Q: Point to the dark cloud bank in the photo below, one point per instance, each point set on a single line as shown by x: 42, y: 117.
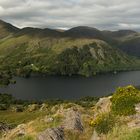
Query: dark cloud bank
x: 102, y: 14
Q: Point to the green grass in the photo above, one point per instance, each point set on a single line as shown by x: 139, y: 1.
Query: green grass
x: 16, y: 118
x: 124, y: 133
x: 25, y: 138
x: 134, y: 135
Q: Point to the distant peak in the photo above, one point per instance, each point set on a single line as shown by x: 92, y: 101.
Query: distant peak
x: 83, y: 28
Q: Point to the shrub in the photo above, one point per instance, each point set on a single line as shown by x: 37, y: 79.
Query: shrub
x: 4, y: 106
x: 87, y: 101
x: 104, y: 123
x: 124, y: 100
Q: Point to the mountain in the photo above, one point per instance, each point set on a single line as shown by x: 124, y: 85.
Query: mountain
x: 130, y: 44
x: 83, y: 32
x: 118, y: 34
x: 38, y: 32
x: 80, y: 50
x: 7, y: 29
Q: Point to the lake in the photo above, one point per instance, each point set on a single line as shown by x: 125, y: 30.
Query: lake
x: 62, y: 87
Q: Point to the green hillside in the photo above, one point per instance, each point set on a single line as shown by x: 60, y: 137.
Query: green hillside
x: 33, y: 50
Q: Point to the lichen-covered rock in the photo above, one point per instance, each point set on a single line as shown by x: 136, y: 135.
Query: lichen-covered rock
x: 73, y: 120
x: 51, y: 134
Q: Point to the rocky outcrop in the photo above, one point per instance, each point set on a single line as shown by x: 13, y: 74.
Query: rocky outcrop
x: 72, y: 120
x: 102, y: 106
x: 51, y: 134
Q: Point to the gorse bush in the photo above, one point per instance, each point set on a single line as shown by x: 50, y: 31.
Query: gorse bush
x: 124, y: 100
x: 104, y: 123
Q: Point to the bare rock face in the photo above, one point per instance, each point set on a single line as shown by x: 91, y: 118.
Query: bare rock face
x: 73, y: 120
x: 51, y: 134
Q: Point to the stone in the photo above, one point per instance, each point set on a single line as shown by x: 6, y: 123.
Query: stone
x: 72, y: 120
x: 51, y: 134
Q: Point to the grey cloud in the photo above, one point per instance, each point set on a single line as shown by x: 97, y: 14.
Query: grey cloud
x: 102, y: 14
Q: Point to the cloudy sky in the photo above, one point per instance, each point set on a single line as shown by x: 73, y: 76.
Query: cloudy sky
x: 102, y: 14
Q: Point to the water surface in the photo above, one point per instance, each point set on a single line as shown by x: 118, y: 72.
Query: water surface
x: 52, y: 87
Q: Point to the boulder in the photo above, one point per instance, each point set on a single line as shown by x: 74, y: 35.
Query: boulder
x: 72, y: 120
x: 51, y: 134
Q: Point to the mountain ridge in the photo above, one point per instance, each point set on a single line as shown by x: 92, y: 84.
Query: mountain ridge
x: 119, y: 39
x: 81, y: 50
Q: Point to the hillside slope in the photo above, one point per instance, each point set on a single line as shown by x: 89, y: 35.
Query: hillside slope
x: 131, y: 44
x: 7, y: 29
x: 115, y: 117
x: 48, y: 51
